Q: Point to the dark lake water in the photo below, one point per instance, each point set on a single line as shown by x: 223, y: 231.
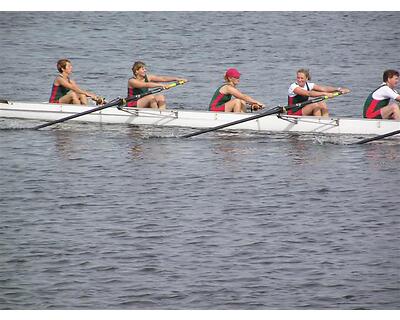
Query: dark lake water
x: 121, y: 217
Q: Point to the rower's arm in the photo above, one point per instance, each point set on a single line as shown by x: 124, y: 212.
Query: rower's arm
x: 141, y: 84
x: 74, y: 87
x: 311, y: 93
x: 237, y: 94
x: 330, y: 89
x: 155, y: 78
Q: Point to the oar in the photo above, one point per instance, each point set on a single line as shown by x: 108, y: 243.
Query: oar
x: 112, y: 103
x: 277, y: 109
x: 115, y: 102
x: 382, y: 136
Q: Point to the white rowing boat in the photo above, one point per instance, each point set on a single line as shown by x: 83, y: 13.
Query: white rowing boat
x: 198, y: 119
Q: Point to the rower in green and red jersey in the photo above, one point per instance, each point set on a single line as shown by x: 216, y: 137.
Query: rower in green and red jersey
x: 57, y: 92
x: 222, y: 99
x: 141, y: 82
x: 219, y: 99
x: 134, y: 91
x: 377, y: 105
x: 65, y: 90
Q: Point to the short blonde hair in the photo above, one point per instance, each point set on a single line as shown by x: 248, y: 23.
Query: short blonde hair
x: 306, y: 72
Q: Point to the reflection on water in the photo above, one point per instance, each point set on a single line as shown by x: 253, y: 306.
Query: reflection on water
x: 137, y: 151
x: 232, y: 149
x: 64, y: 143
x: 382, y: 155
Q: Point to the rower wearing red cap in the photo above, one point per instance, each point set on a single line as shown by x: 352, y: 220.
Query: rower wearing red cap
x: 222, y: 99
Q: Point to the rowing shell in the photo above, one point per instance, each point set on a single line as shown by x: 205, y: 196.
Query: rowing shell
x: 198, y: 119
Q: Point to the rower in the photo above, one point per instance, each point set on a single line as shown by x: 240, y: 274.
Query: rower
x: 65, y: 90
x: 377, y: 105
x: 142, y: 81
x: 301, y: 90
x: 222, y: 99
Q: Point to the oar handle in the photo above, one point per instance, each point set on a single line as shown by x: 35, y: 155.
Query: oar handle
x: 99, y: 100
x: 174, y: 84
x: 315, y: 100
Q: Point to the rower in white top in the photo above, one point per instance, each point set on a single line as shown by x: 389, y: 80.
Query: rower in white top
x: 301, y: 90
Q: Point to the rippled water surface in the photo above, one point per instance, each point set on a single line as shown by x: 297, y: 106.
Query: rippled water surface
x: 121, y: 217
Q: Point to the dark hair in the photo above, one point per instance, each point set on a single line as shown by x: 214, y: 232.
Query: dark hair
x: 61, y: 64
x: 389, y: 74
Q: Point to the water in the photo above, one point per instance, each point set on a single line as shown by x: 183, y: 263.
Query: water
x: 120, y: 217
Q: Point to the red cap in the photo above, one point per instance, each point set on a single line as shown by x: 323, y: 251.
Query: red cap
x: 232, y: 73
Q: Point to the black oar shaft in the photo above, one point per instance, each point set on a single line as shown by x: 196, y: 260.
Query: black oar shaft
x: 269, y: 112
x: 76, y: 115
x: 382, y: 136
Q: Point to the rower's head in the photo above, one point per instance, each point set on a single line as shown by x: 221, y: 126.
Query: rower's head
x: 137, y: 66
x: 63, y: 64
x: 302, y: 76
x: 232, y: 75
x: 391, y: 77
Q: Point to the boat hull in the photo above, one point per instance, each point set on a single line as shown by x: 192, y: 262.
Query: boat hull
x: 198, y: 119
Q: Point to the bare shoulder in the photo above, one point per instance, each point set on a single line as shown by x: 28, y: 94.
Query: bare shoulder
x: 131, y: 82
x: 58, y: 80
x: 299, y: 90
x: 227, y: 88
x: 135, y: 83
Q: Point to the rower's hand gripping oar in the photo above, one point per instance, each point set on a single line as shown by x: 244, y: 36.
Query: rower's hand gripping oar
x: 275, y: 110
x: 113, y: 103
x: 99, y: 100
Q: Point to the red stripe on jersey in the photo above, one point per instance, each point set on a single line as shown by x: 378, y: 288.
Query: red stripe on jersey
x: 371, y: 112
x: 53, y: 94
x: 214, y: 105
x: 131, y: 103
x: 297, y: 113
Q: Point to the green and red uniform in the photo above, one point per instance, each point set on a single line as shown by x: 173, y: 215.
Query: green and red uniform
x: 57, y: 92
x: 378, y: 99
x: 219, y: 99
x: 135, y: 91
